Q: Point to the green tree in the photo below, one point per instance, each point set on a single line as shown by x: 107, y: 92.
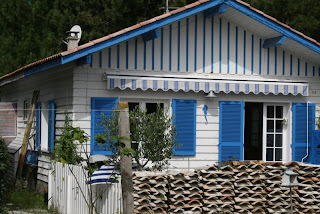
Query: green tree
x: 4, y: 164
x: 303, y: 15
x: 33, y: 29
x: 153, y: 136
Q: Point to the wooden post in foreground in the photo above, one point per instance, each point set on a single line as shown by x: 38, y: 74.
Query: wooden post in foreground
x: 126, y: 161
x: 27, y: 134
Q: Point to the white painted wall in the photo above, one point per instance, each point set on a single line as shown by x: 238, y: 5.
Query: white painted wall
x: 88, y: 82
x: 53, y: 84
x: 246, y: 65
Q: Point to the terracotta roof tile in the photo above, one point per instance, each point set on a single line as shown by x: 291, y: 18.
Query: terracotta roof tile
x: 69, y: 51
x: 192, y: 5
x: 163, y: 16
x: 85, y: 45
x: 119, y: 33
x: 178, y: 10
x: 32, y: 64
x: 132, y: 27
x: 147, y: 22
x: 102, y: 39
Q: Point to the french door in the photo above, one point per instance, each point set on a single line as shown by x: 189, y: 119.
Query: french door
x: 274, y: 128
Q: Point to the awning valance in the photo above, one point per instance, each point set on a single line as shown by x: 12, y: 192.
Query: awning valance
x: 196, y: 85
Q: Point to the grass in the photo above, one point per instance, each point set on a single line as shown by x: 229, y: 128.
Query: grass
x: 28, y: 201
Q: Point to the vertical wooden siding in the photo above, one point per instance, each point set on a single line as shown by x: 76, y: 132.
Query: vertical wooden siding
x: 205, y: 45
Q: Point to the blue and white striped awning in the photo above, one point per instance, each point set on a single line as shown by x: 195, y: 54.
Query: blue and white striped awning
x: 104, y: 175
x: 196, y: 85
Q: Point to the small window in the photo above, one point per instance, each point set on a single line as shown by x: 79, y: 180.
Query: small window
x: 25, y: 109
x: 133, y: 106
x: 152, y: 107
x: 8, y: 119
x: 149, y: 105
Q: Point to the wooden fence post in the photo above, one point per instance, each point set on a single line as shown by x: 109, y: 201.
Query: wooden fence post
x: 126, y: 161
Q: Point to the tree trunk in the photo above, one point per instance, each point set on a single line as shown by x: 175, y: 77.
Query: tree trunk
x: 126, y: 161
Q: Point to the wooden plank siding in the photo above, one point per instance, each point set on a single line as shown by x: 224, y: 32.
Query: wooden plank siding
x: 55, y: 85
x: 218, y: 46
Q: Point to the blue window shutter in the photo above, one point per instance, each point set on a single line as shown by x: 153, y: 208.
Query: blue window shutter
x: 38, y: 125
x: 99, y: 106
x: 300, y: 135
x: 184, y: 112
x: 231, y: 131
x: 51, y: 124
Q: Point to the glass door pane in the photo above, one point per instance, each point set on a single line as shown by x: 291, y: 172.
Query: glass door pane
x: 274, y: 132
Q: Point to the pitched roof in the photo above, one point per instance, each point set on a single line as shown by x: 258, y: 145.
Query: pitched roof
x: 159, y: 21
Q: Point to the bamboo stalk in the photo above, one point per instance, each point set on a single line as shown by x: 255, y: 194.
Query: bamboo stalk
x: 27, y: 134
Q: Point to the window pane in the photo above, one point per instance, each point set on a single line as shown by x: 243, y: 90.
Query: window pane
x: 279, y: 111
x: 278, y: 140
x: 270, y: 111
x: 152, y: 107
x: 279, y: 126
x: 269, y: 140
x: 132, y: 106
x: 270, y: 126
x: 269, y: 155
x: 278, y: 155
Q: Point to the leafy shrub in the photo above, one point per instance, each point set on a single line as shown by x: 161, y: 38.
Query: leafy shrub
x: 153, y: 136
x: 4, y: 164
x: 65, y: 150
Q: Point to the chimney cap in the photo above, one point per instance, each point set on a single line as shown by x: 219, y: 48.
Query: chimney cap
x: 74, y: 37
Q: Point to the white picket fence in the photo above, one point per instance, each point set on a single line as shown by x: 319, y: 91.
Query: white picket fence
x: 66, y: 193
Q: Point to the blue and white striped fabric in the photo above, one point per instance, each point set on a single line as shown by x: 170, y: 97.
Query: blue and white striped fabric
x: 104, y: 175
x: 196, y: 85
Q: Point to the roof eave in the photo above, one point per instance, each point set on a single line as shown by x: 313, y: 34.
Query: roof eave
x: 275, y: 25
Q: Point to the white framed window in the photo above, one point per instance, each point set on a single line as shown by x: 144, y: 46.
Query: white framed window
x: 150, y: 105
x: 44, y: 126
x: 275, y: 122
x: 26, y: 106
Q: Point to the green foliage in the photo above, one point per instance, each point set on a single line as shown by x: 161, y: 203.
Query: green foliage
x: 303, y: 15
x: 4, y: 164
x: 33, y: 29
x: 65, y: 150
x: 154, y: 133
x: 26, y: 200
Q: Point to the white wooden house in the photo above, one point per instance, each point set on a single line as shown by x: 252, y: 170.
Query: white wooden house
x: 265, y: 76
